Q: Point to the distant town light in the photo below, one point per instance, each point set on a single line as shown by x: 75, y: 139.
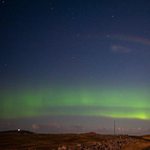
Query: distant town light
x: 18, y: 130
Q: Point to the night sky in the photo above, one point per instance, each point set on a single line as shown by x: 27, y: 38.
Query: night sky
x: 75, y: 66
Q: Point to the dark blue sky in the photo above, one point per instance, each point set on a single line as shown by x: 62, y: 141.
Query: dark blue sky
x: 74, y: 55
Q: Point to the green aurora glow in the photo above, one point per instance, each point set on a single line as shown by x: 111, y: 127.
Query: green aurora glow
x: 108, y: 102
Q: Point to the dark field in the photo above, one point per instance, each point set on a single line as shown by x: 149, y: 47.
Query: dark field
x: 53, y: 141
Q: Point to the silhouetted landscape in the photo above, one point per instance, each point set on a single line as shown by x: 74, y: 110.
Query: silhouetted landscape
x: 18, y: 132
x: 23, y: 140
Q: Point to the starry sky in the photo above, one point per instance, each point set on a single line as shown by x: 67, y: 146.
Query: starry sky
x: 75, y: 66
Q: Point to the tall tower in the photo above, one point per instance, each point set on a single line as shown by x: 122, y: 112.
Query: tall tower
x: 114, y: 128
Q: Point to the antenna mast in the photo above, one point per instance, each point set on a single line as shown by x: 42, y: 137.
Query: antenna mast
x: 114, y: 128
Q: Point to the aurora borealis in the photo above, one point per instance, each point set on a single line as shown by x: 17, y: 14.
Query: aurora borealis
x: 109, y: 102
x: 75, y: 66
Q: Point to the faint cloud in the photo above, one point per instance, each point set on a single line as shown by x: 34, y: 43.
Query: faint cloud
x: 135, y: 131
x: 45, y: 126
x: 76, y: 128
x: 35, y: 127
x: 104, y: 130
x: 119, y: 130
x: 57, y: 128
x: 119, y: 48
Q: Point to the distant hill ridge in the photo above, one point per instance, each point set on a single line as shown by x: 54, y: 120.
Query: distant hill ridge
x: 18, y: 131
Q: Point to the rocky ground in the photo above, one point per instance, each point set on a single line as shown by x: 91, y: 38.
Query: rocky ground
x: 84, y: 141
x: 110, y: 144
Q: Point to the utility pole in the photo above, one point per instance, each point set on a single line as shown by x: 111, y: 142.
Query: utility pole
x: 114, y: 128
